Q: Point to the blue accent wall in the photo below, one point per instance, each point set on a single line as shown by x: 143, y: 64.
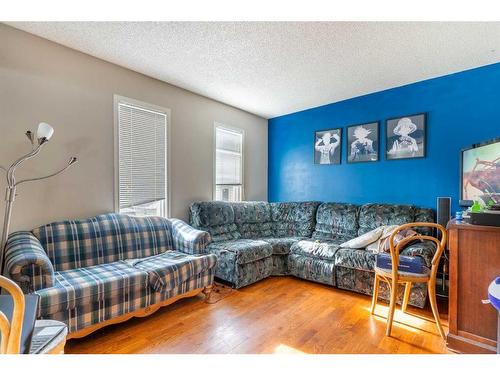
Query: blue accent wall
x: 462, y: 109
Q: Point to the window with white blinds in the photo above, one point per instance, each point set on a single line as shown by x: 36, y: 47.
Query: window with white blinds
x: 228, y: 164
x: 142, y: 159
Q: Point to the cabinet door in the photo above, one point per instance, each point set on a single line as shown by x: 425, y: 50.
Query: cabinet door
x: 474, y: 263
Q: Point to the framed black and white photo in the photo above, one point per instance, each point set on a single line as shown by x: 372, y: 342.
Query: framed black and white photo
x: 406, y: 137
x: 327, y: 146
x: 362, y: 142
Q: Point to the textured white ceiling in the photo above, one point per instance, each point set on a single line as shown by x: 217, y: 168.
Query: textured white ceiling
x: 274, y: 68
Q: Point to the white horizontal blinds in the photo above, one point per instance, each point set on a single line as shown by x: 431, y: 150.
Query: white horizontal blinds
x: 228, y: 164
x: 142, y: 155
x: 229, y: 157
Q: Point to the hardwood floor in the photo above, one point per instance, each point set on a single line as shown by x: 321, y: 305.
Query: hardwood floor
x: 277, y: 315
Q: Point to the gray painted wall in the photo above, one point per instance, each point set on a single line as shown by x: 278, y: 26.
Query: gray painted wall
x: 43, y: 81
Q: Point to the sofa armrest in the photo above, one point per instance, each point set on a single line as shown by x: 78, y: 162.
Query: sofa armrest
x: 27, y: 263
x: 187, y: 239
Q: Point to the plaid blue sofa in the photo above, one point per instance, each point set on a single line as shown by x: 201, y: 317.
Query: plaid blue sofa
x: 255, y: 240
x: 90, y: 271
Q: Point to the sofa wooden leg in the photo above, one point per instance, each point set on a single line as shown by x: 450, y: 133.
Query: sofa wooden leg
x: 207, y: 291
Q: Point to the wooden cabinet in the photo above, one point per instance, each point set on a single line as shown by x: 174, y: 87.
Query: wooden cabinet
x: 474, y: 264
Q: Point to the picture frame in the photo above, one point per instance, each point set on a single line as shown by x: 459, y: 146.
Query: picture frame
x: 406, y: 137
x: 363, y: 142
x: 327, y: 149
x: 479, y: 159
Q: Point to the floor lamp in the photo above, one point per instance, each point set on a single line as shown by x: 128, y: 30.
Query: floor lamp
x: 44, y: 133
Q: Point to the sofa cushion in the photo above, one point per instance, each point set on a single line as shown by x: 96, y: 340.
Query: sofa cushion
x: 216, y: 218
x: 373, y: 215
x: 103, y: 239
x: 424, y: 249
x: 253, y: 219
x: 336, y: 220
x: 242, y: 250
x: 359, y: 259
x: 314, y: 269
x: 281, y: 245
x: 315, y: 249
x: 293, y: 219
x: 172, y: 268
x: 425, y: 215
x: 82, y: 286
x: 364, y: 260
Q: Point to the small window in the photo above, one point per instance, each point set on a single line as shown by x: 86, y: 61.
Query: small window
x: 141, y: 158
x: 228, y: 164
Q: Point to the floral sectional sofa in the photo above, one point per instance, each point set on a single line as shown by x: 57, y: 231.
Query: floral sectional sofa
x: 255, y: 240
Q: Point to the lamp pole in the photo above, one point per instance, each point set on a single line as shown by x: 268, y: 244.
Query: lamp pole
x: 9, y: 199
x: 44, y: 133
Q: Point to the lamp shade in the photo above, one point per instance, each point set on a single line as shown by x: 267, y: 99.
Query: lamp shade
x: 44, y: 131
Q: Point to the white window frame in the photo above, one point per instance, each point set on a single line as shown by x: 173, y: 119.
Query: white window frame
x: 118, y: 99
x: 218, y: 125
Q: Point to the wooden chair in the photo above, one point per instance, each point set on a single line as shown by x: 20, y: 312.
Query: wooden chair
x: 13, y: 341
x: 11, y: 331
x: 394, y: 277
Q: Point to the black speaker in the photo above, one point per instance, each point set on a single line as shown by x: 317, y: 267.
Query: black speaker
x: 443, y: 215
x: 443, y: 212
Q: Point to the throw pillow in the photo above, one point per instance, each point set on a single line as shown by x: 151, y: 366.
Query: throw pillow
x: 385, y: 243
x: 365, y: 239
x: 388, y: 229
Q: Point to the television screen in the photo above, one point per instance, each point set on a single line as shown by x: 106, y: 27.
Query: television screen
x: 481, y: 173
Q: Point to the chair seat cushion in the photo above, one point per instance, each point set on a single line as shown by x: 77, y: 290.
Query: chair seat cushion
x: 81, y: 286
x: 408, y: 266
x: 243, y: 250
x: 281, y: 245
x: 315, y: 249
x: 172, y: 268
x: 388, y: 273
